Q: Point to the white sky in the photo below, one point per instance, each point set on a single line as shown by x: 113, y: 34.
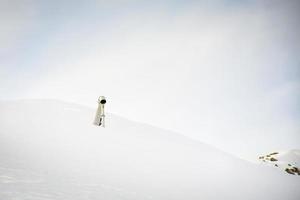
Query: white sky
x: 224, y: 72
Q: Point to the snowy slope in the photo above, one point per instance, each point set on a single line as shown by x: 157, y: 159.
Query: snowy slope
x: 51, y: 150
x: 292, y: 157
x: 288, y: 161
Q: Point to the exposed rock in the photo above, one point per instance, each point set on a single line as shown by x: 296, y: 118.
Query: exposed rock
x: 273, y: 159
x: 289, y: 171
x: 284, y: 161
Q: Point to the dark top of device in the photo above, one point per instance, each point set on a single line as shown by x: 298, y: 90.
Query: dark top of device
x: 103, y: 101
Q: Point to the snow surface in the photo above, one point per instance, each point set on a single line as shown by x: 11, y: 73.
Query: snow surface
x: 292, y: 157
x: 51, y: 150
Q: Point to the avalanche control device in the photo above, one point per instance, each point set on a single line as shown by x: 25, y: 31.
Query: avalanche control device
x: 100, y: 116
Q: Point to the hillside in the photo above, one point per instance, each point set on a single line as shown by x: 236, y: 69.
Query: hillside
x: 288, y: 161
x: 51, y: 150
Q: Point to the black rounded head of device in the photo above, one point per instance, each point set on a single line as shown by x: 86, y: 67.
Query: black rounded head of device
x: 103, y: 101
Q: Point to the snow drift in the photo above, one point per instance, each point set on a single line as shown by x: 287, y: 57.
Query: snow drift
x: 51, y: 150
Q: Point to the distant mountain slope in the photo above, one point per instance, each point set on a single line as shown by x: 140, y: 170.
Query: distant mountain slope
x: 288, y: 161
x: 51, y: 150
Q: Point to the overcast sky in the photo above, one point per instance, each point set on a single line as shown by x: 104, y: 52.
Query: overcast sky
x: 224, y: 72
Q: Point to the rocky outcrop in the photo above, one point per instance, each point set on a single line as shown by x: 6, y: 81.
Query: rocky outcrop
x: 287, y: 161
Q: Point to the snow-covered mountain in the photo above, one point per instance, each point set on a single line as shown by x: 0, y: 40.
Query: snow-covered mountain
x: 289, y: 161
x: 51, y: 150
